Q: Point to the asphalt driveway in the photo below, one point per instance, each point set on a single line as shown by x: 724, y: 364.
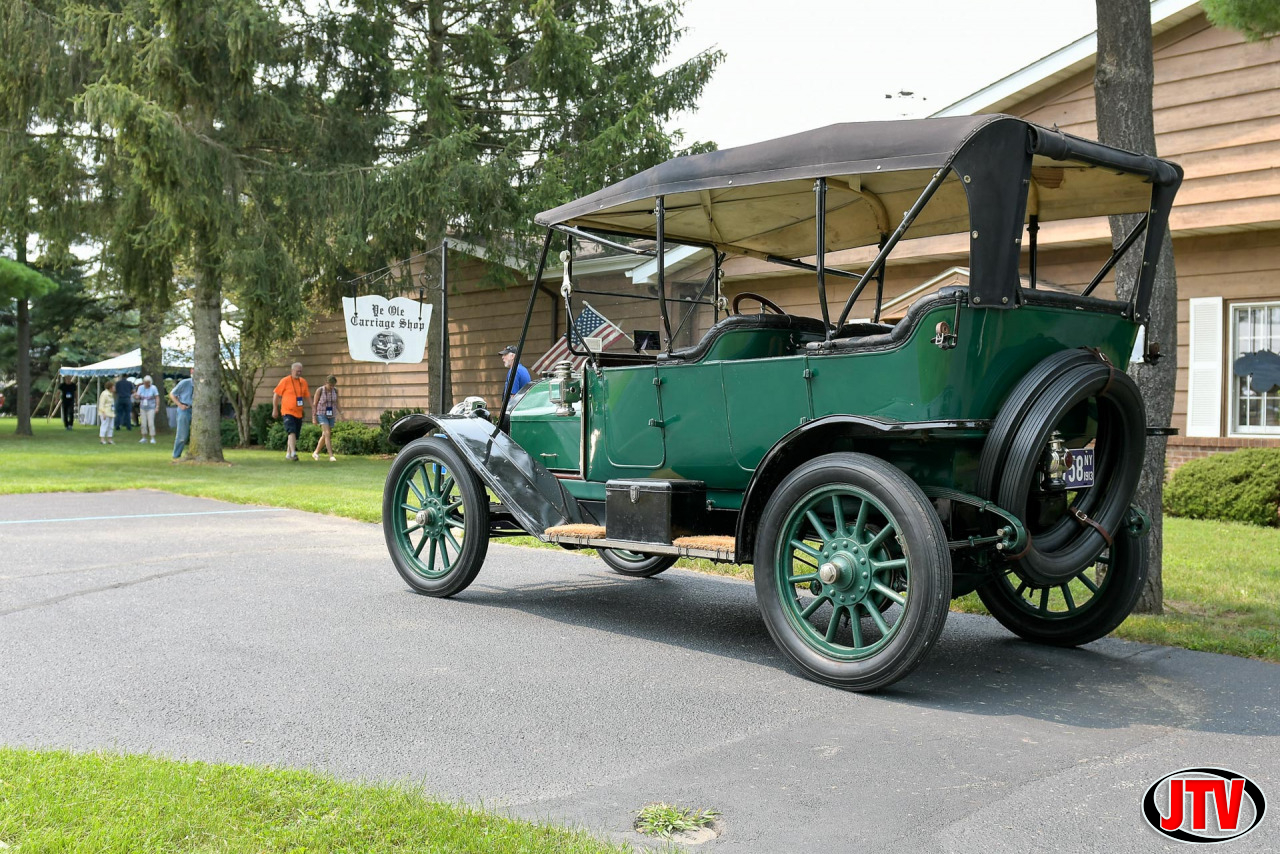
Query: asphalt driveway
x: 555, y: 689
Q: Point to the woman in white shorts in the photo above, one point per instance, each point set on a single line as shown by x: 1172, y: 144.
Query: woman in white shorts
x: 106, y: 416
x: 148, y: 397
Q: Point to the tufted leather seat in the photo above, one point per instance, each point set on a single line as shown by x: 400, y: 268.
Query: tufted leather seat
x: 743, y: 322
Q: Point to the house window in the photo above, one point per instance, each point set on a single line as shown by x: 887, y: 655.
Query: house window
x: 1255, y: 368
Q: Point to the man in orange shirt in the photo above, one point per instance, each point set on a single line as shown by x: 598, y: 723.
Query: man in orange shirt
x: 291, y: 395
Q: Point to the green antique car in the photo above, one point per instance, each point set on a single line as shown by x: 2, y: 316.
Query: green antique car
x: 988, y: 440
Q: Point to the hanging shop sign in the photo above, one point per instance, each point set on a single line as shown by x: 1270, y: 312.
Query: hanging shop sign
x: 386, y: 330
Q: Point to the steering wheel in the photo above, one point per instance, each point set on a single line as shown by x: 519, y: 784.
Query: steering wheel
x: 765, y: 302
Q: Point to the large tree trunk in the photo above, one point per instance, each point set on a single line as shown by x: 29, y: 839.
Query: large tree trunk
x: 437, y: 358
x: 206, y: 316
x: 151, y: 330
x: 22, y: 403
x: 1122, y: 86
x: 440, y: 384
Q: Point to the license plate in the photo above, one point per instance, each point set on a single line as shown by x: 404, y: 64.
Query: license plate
x: 1080, y: 472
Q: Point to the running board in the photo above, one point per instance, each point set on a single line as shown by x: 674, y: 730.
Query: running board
x: 719, y: 549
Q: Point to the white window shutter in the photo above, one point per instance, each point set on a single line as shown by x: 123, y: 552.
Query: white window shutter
x: 1204, y: 369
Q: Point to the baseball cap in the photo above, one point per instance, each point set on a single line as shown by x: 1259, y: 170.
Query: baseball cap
x: 507, y: 349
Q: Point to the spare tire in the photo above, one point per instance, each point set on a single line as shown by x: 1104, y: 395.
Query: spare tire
x: 1019, y: 400
x: 1056, y: 553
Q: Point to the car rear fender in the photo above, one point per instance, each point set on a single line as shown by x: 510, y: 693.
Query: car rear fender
x: 532, y: 494
x: 815, y: 438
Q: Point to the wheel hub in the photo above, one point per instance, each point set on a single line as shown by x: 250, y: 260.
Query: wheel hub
x: 430, y: 516
x: 845, y: 571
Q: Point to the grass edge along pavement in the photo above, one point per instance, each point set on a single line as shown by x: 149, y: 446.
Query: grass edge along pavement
x: 54, y: 800
x: 1222, y: 580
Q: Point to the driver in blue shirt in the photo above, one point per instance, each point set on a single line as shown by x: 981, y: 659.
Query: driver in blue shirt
x: 508, y: 355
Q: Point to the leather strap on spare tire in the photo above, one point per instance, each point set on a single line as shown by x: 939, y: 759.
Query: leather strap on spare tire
x: 1075, y: 541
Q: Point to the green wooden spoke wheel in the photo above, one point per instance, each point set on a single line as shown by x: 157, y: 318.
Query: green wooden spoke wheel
x: 852, y: 571
x: 1085, y: 607
x: 635, y: 564
x: 435, y: 517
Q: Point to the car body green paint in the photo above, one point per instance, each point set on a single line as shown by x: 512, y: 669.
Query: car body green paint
x: 713, y: 420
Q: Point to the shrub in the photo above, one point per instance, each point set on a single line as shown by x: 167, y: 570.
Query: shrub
x: 230, y: 433
x: 277, y: 439
x: 389, y: 417
x: 352, y: 438
x: 1242, y: 486
x: 386, y: 421
x: 309, y: 437
x: 259, y: 423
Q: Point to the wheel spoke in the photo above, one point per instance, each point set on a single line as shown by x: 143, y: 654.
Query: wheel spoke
x: 861, y: 524
x: 817, y: 526
x: 834, y: 626
x: 411, y: 509
x: 1086, y: 581
x: 453, y: 506
x: 885, y: 533
x: 855, y: 626
x: 431, y: 557
x: 426, y: 475
x: 422, y: 499
x: 803, y: 579
x: 448, y: 535
x: 801, y: 560
x: 878, y: 618
x: 426, y: 535
x: 811, y: 607
x: 889, y: 565
x: 444, y: 556
x: 445, y: 487
x: 887, y: 591
x: 1044, y: 600
x: 1066, y: 594
x: 1022, y: 588
x: 455, y: 523
x: 800, y: 545
x: 411, y: 529
x: 837, y: 515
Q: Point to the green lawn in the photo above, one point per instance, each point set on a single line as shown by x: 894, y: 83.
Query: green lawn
x: 1222, y: 581
x: 52, y: 801
x: 55, y: 460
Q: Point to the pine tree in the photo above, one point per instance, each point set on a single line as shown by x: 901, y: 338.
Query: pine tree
x: 42, y: 179
x: 214, y: 113
x: 1256, y: 19
x: 506, y: 108
x: 274, y: 147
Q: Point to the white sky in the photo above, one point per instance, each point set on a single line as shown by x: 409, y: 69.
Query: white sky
x: 793, y: 65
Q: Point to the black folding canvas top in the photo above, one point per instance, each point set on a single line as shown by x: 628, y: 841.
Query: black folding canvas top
x: 758, y: 199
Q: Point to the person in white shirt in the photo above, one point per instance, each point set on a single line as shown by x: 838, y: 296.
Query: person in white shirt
x: 148, y: 397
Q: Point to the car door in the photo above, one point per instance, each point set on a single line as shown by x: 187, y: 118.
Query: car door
x: 626, y: 423
x: 765, y: 399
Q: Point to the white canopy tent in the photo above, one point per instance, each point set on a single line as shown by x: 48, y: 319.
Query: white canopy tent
x: 177, y: 347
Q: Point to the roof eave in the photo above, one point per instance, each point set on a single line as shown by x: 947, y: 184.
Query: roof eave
x: 1060, y: 65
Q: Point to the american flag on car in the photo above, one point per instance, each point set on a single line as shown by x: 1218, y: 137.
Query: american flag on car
x: 589, y: 324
